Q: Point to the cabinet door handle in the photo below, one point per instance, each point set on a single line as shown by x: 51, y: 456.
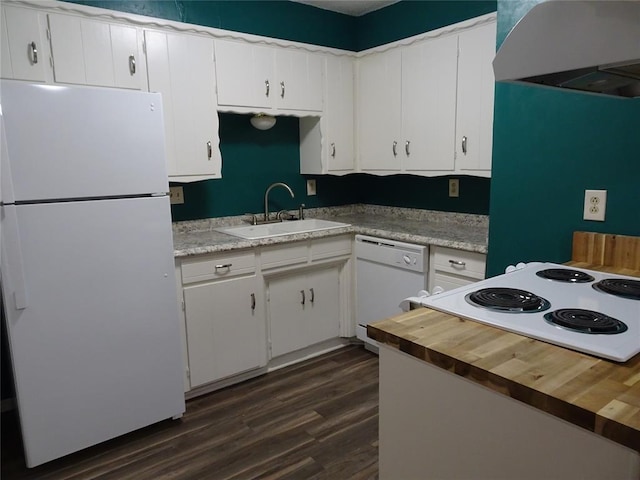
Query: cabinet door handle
x: 333, y: 150
x: 132, y: 65
x: 34, y: 52
x: 282, y: 89
x: 464, y: 145
x: 209, y: 150
x: 313, y: 295
x: 406, y: 147
x: 225, y: 265
x: 253, y: 301
x: 266, y: 85
x: 394, y: 148
x: 302, y: 292
x: 457, y: 263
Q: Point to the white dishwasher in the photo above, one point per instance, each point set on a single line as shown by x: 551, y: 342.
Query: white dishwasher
x: 387, y: 272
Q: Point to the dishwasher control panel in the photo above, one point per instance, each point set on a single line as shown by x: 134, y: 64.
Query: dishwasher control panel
x: 392, y: 253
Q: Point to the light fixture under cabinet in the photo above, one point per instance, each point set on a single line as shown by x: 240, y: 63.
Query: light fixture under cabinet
x: 262, y: 121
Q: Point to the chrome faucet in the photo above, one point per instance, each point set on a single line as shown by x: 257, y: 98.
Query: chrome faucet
x: 266, y: 197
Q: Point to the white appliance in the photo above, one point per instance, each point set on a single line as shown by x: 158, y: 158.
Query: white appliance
x: 582, y: 45
x: 570, y: 307
x: 385, y: 271
x: 87, y: 265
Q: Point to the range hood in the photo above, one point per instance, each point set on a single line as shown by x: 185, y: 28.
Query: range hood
x: 592, y: 46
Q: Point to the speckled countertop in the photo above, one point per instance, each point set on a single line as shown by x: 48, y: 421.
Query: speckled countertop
x: 425, y: 227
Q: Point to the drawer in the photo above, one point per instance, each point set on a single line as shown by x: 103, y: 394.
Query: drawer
x: 331, y: 247
x: 459, y: 262
x: 285, y: 254
x: 217, y: 267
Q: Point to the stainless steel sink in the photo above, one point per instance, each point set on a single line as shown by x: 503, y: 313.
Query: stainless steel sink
x: 252, y: 232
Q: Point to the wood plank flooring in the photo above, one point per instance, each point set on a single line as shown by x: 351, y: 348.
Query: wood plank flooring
x: 314, y: 420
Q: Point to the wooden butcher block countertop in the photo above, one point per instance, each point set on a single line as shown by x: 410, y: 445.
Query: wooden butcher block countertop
x: 596, y: 394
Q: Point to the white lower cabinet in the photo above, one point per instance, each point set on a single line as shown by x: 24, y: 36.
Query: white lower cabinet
x: 450, y: 268
x: 303, y: 308
x: 224, y: 316
x: 236, y: 304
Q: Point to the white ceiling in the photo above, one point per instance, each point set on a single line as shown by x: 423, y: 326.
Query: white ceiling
x: 354, y: 8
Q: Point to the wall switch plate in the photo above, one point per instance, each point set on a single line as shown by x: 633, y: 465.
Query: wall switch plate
x: 176, y: 195
x: 454, y: 187
x: 311, y: 187
x: 595, y: 204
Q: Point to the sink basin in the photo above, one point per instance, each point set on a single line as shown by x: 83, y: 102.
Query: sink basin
x: 253, y: 232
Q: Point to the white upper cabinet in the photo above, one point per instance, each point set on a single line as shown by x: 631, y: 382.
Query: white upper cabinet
x: 327, y: 145
x: 92, y: 52
x: 265, y: 78
x: 24, y: 48
x: 427, y: 108
x: 429, y: 105
x: 181, y: 67
x: 474, y: 130
x: 245, y: 74
x: 379, y: 111
x: 338, y: 114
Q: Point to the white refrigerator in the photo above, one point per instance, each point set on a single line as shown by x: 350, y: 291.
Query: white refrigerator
x: 87, y: 265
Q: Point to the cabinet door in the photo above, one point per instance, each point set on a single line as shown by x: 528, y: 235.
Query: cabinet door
x: 429, y: 72
x: 379, y: 111
x: 181, y: 67
x: 287, y: 301
x: 245, y: 74
x: 474, y: 132
x: 81, y: 50
x: 338, y: 139
x: 128, y: 64
x: 90, y: 52
x: 24, y: 50
x: 323, y: 307
x: 299, y: 78
x: 226, y: 332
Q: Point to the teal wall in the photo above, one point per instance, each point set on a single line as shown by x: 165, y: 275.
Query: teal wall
x: 550, y: 146
x: 407, y: 18
x: 272, y: 18
x: 253, y: 159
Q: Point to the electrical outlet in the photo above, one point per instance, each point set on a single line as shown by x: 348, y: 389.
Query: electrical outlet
x: 595, y: 204
x: 176, y: 195
x: 454, y: 187
x: 311, y: 187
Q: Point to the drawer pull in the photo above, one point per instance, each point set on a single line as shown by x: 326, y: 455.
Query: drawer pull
x: 34, y: 52
x: 253, y: 301
x: 132, y: 65
x: 226, y: 265
x: 457, y: 263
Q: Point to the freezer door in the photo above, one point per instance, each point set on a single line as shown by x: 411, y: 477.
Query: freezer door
x: 96, y: 351
x: 82, y: 142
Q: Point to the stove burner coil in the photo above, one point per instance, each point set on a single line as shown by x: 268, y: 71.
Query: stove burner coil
x: 565, y: 275
x: 620, y: 287
x: 585, y: 321
x: 507, y: 300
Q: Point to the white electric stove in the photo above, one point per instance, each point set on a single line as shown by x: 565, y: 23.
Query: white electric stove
x: 592, y: 312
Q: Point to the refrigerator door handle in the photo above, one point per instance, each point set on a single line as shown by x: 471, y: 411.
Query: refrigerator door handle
x: 14, y: 261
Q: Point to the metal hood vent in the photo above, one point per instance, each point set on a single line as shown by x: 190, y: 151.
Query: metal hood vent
x: 591, y: 46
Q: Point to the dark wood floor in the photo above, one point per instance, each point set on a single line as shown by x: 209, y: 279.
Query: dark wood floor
x: 314, y: 420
